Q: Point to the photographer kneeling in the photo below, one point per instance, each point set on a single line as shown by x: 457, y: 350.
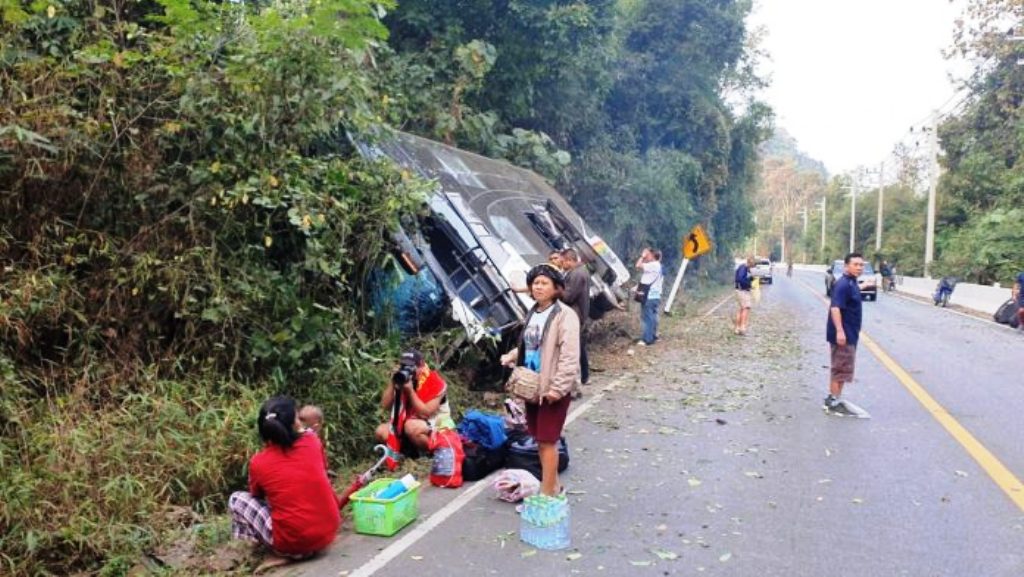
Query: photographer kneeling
x: 423, y: 404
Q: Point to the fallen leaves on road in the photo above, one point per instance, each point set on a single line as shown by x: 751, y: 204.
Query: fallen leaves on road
x: 665, y: 555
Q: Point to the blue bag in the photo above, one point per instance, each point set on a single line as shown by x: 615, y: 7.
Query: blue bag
x: 485, y: 430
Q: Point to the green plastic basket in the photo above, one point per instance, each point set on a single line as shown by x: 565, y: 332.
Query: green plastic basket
x: 384, y: 517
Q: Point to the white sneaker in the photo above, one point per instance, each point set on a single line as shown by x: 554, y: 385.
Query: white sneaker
x: 641, y: 344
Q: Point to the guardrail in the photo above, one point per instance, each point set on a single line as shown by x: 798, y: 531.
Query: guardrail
x: 983, y: 298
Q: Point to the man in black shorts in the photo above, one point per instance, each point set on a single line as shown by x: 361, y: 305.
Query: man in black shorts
x: 843, y: 331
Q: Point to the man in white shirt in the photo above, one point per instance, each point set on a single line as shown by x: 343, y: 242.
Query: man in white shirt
x: 651, y: 281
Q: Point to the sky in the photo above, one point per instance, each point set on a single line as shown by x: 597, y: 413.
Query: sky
x: 849, y: 77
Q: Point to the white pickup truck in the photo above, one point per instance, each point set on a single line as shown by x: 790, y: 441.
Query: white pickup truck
x: 762, y: 270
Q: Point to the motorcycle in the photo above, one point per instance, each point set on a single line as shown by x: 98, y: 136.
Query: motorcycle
x: 944, y: 290
x: 889, y: 283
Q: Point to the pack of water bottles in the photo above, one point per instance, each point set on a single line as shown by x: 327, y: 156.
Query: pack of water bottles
x: 544, y: 522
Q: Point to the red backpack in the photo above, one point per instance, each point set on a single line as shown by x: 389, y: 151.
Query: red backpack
x: 446, y: 470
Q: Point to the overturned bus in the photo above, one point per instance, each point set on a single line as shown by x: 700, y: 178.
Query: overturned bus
x: 488, y: 223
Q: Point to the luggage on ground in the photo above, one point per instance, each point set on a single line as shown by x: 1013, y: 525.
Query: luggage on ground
x: 523, y: 454
x: 483, y: 429
x: 446, y: 469
x: 1007, y: 314
x: 481, y: 461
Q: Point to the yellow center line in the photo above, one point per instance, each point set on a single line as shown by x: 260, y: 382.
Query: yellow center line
x: 992, y: 466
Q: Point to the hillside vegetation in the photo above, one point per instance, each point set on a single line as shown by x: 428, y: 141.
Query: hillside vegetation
x: 186, y: 230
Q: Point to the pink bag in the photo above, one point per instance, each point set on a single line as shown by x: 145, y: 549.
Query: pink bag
x: 514, y: 485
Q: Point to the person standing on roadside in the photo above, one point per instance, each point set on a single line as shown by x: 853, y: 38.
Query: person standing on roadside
x: 651, y: 281
x: 886, y: 270
x: 744, y: 282
x: 555, y: 260
x: 1018, y: 296
x: 549, y: 345
x: 843, y: 331
x: 577, y: 296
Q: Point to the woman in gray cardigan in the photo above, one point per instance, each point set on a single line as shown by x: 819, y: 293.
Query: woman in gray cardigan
x: 550, y: 345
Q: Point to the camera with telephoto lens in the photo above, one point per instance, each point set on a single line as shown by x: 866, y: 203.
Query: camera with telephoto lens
x: 404, y: 374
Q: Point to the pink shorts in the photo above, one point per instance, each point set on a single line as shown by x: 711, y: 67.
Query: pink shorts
x: 545, y: 421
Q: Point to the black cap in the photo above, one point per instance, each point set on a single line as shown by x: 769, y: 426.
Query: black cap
x: 411, y: 357
x: 548, y: 271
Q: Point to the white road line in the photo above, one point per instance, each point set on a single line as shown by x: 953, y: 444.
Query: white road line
x: 392, y: 551
x: 389, y: 553
x: 716, y: 307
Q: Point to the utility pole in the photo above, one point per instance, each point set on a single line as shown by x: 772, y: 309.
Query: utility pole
x: 785, y: 209
x: 803, y: 237
x: 756, y: 231
x: 783, y: 236
x: 853, y: 212
x: 824, y: 201
x: 933, y: 152
x: 881, y: 200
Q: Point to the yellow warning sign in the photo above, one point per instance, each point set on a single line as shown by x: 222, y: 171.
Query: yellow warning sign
x: 696, y: 243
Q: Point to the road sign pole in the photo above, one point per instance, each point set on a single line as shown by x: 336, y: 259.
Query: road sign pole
x: 675, y: 285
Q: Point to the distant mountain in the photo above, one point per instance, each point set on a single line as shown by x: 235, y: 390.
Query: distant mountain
x: 783, y: 145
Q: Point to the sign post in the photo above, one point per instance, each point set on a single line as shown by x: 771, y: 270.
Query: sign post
x: 694, y: 244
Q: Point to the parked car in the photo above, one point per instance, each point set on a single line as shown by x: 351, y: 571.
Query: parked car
x: 868, y: 281
x: 762, y: 270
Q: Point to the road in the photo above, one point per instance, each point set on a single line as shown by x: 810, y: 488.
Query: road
x: 709, y: 454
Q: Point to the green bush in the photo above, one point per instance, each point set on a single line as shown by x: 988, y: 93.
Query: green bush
x: 184, y: 231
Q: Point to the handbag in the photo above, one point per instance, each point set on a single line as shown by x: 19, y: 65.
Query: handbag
x: 525, y: 384
x: 642, y: 289
x: 640, y: 295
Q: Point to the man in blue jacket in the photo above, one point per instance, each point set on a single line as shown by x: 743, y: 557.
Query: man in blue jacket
x: 843, y: 331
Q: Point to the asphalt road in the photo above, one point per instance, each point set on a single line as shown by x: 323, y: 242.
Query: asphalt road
x: 710, y: 455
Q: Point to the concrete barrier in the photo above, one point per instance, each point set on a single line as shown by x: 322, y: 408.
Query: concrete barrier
x: 979, y: 297
x: 984, y: 298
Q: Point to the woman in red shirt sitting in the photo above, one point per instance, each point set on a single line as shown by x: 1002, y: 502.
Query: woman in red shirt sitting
x: 290, y: 506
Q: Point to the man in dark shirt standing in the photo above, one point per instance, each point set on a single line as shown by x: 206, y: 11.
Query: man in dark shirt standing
x: 843, y: 331
x: 743, y: 281
x: 577, y: 296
